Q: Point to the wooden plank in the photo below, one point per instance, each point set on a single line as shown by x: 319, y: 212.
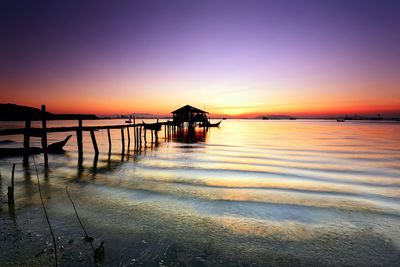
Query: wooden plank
x: 38, y: 131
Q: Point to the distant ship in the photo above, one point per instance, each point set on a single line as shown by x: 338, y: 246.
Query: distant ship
x: 130, y: 121
x: 278, y: 117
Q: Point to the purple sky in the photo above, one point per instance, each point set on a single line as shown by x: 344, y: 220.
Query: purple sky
x: 231, y: 56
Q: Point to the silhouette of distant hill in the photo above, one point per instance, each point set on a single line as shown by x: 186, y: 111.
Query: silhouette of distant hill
x: 13, y: 112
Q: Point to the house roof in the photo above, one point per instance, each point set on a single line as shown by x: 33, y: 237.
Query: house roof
x: 188, y: 109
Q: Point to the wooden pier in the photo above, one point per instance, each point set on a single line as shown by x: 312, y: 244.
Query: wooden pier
x: 139, y: 132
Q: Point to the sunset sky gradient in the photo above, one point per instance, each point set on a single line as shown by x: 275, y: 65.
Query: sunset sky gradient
x: 242, y: 58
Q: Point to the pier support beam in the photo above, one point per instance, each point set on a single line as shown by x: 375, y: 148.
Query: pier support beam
x: 140, y: 136
x: 109, y: 140
x: 134, y: 137
x: 93, y: 136
x: 44, y: 137
x: 79, y: 141
x: 129, y: 137
x: 123, y: 139
x: 26, y: 142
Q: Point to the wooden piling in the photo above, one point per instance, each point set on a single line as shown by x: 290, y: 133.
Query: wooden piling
x: 156, y: 135
x: 123, y: 139
x: 109, y: 140
x: 140, y: 136
x: 79, y: 140
x: 129, y: 137
x: 44, y: 137
x: 26, y: 142
x: 134, y: 137
x: 95, y: 147
x: 145, y: 137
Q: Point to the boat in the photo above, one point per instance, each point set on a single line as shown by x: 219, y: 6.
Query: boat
x: 18, y: 151
x: 58, y: 146
x: 152, y: 126
x: 208, y: 124
x: 340, y: 120
x: 130, y: 121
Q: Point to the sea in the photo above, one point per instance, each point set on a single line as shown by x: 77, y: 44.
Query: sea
x: 247, y: 193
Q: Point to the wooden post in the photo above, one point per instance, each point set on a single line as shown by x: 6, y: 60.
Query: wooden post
x: 156, y: 135
x: 151, y: 131
x: 26, y: 142
x: 140, y: 136
x: 44, y: 137
x: 134, y: 137
x: 96, y: 149
x: 109, y: 140
x: 145, y: 137
x: 129, y: 136
x: 79, y: 140
x: 123, y: 139
x: 165, y: 131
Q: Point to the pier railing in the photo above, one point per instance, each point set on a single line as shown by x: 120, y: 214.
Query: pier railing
x: 139, y: 134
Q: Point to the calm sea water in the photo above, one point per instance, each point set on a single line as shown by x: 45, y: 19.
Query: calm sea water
x: 248, y: 193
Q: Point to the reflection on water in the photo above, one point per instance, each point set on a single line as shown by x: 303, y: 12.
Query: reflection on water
x: 249, y: 192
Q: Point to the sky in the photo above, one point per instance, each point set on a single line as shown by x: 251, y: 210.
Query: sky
x: 235, y: 58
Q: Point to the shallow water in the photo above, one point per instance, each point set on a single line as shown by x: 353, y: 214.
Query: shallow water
x: 248, y: 193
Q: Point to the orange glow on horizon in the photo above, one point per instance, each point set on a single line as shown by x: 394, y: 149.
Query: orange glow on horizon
x: 97, y: 99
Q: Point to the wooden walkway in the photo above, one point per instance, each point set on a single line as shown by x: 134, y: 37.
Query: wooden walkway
x: 139, y: 134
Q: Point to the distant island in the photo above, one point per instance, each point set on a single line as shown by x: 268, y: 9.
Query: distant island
x: 277, y: 117
x: 13, y: 112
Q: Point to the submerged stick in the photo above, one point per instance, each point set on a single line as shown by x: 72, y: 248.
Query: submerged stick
x: 98, y: 253
x: 11, y: 192
x: 45, y: 213
x: 87, y: 237
x: 11, y: 200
